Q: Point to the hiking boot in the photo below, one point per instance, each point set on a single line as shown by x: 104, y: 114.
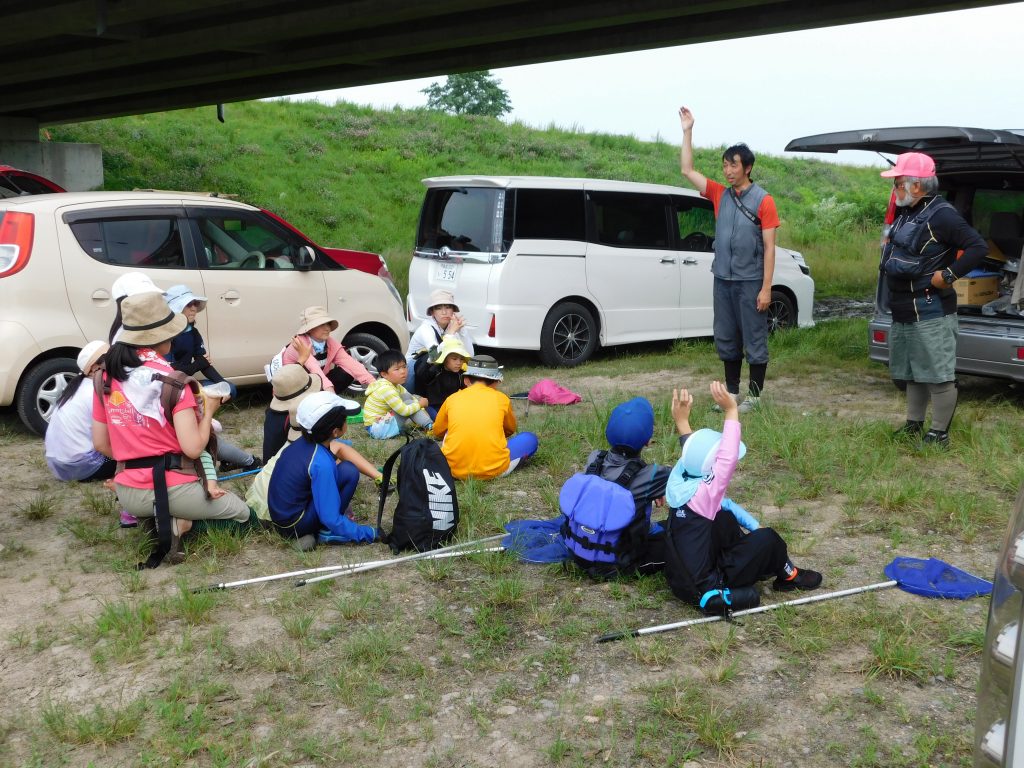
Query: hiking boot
x: 937, y: 437
x: 750, y: 403
x: 912, y: 429
x: 306, y: 543
x: 805, y: 579
x: 128, y: 521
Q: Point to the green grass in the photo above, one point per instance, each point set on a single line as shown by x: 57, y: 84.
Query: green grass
x: 350, y: 176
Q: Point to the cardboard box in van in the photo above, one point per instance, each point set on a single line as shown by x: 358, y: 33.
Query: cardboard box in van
x: 975, y: 291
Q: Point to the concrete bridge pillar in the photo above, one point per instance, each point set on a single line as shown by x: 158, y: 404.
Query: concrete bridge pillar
x: 76, y: 167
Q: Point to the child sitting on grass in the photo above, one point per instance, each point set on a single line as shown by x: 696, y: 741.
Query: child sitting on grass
x: 441, y: 376
x: 316, y: 476
x: 478, y: 426
x: 711, y: 563
x: 389, y: 406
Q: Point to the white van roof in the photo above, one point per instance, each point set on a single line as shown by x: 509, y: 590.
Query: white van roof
x: 554, y: 182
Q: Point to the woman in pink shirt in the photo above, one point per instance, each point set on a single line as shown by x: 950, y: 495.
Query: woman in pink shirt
x: 157, y: 452
x: 322, y: 355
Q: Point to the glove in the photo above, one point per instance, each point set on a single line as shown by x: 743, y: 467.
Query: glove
x: 743, y: 517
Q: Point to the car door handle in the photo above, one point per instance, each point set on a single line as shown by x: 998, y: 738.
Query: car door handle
x: 100, y: 296
x: 668, y: 261
x: 689, y: 260
x: 231, y: 297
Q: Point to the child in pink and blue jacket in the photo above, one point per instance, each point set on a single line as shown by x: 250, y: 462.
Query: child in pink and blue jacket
x: 711, y: 562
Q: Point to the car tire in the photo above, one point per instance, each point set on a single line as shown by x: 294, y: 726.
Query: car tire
x: 364, y: 347
x: 781, y: 312
x: 39, y: 390
x: 568, y: 336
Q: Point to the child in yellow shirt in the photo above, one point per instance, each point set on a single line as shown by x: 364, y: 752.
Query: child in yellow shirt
x: 389, y: 406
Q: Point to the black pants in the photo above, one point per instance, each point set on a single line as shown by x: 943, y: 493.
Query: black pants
x: 714, y: 554
x: 275, y: 432
x: 106, y: 471
x: 340, y: 379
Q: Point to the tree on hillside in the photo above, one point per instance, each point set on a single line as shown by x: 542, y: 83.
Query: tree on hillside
x: 471, y: 93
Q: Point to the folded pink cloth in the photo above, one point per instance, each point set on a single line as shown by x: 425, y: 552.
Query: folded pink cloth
x: 546, y: 392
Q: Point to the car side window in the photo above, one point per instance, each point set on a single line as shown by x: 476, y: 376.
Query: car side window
x: 630, y: 220
x: 132, y: 242
x: 550, y: 214
x: 695, y: 218
x: 235, y: 241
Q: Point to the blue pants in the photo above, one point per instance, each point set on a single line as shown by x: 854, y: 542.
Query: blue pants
x: 347, y: 477
x: 738, y: 325
x: 521, y: 446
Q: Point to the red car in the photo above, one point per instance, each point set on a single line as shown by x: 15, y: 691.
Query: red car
x: 364, y: 261
x: 14, y: 183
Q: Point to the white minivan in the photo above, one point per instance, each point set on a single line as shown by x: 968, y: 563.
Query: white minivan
x: 566, y: 265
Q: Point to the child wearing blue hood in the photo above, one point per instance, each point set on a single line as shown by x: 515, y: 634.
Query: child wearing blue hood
x: 711, y: 563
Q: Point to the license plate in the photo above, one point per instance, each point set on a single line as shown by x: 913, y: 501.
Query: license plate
x: 445, y: 272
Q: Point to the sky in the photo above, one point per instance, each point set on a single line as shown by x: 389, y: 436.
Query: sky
x: 959, y: 68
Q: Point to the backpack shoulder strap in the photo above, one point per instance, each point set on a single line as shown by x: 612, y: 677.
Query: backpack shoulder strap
x: 597, y: 465
x: 632, y: 468
x: 385, y: 484
x: 100, y: 383
x: 754, y: 218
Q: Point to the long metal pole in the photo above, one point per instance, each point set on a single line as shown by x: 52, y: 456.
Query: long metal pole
x: 416, y: 556
x: 611, y: 636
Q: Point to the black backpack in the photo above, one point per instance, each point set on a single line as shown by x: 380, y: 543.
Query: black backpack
x: 427, y: 513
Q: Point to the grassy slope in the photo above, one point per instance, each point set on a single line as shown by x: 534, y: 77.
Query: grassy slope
x: 350, y: 176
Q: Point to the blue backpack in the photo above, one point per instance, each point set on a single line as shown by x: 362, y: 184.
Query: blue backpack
x: 604, y: 528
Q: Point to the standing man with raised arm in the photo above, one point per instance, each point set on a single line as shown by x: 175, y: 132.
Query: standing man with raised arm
x: 744, y: 263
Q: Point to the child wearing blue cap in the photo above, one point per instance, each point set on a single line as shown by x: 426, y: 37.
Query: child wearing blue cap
x: 711, y: 563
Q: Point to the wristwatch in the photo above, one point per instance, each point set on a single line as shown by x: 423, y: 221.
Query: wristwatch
x: 949, y: 276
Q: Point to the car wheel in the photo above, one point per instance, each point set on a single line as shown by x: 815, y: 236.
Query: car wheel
x: 569, y: 335
x: 781, y: 312
x: 42, y: 385
x: 364, y: 347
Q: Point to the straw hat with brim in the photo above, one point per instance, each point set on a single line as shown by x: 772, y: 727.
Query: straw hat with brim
x: 321, y: 405
x: 484, y: 367
x: 292, y: 384
x: 179, y: 296
x: 450, y: 345
x: 311, y: 317
x: 147, y: 320
x: 90, y: 354
x: 132, y: 284
x: 441, y: 296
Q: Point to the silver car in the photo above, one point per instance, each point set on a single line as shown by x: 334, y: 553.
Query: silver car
x: 981, y: 172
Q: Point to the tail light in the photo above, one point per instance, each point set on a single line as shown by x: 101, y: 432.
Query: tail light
x: 491, y: 333
x: 16, y: 232
x: 879, y: 337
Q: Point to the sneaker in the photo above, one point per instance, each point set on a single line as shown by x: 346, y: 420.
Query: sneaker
x: 176, y: 554
x: 225, y: 467
x: 938, y: 438
x: 750, y: 403
x: 306, y: 543
x: 912, y: 429
x: 805, y: 579
x: 128, y: 521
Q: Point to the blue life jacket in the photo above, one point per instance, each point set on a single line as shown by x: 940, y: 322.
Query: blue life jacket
x: 604, y: 528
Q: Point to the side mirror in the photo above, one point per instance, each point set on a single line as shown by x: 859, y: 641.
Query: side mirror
x: 306, y: 258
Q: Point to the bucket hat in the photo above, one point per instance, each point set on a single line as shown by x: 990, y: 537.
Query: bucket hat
x: 320, y: 404
x: 484, y: 367
x: 180, y: 296
x: 450, y: 345
x: 700, y: 450
x: 90, y: 353
x: 915, y: 164
x: 292, y: 384
x: 441, y: 296
x: 631, y: 425
x: 131, y: 284
x: 311, y: 317
x: 147, y: 320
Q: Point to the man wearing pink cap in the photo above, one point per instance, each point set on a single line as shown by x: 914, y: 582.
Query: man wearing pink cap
x: 920, y: 265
